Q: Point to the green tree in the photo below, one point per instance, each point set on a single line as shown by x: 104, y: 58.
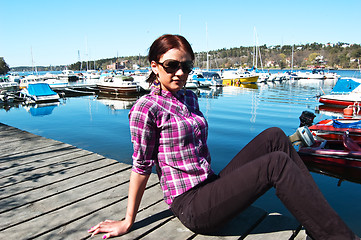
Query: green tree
x: 4, y: 67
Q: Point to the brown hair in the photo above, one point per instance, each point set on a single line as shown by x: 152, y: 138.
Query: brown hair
x: 162, y: 45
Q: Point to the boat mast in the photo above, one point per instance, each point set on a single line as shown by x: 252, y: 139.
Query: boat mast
x: 207, y: 46
x: 292, y: 59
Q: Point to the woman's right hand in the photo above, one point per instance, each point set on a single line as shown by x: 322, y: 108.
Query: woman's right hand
x: 111, y: 228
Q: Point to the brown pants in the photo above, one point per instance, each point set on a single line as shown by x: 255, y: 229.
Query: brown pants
x: 269, y: 160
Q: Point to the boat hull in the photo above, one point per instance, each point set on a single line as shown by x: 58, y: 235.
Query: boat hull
x: 118, y: 90
x: 339, y: 100
x: 239, y: 81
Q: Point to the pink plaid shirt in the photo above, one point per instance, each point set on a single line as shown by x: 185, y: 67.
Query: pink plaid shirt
x: 170, y: 131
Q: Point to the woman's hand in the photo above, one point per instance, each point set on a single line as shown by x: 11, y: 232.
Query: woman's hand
x: 111, y: 228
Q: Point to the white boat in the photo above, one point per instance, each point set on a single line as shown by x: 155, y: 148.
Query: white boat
x: 67, y: 75
x: 118, y: 84
x: 346, y: 92
x: 14, y: 77
x: 91, y: 75
x: 5, y: 84
x: 39, y: 92
x: 53, y: 80
x: 197, y: 80
x: 140, y: 78
x: 29, y: 79
x: 311, y: 75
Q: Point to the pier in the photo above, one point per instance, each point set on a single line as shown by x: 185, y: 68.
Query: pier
x: 53, y: 190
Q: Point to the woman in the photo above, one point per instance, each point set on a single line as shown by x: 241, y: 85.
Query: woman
x: 169, y: 131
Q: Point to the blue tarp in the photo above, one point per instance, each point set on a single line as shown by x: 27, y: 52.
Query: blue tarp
x: 337, y: 124
x: 40, y: 89
x: 345, y: 86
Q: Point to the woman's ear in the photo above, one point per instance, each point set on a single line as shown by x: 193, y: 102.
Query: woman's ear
x: 154, y: 67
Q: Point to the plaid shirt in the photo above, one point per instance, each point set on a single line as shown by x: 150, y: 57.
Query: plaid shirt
x: 169, y: 131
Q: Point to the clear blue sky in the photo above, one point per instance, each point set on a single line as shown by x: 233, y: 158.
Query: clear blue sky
x: 54, y: 31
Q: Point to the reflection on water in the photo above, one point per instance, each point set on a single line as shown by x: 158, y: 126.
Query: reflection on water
x: 341, y: 173
x: 41, y: 109
x: 117, y: 102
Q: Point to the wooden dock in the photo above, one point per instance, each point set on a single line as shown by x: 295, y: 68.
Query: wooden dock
x: 52, y: 190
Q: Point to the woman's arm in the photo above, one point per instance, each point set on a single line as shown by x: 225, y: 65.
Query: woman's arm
x: 137, y: 186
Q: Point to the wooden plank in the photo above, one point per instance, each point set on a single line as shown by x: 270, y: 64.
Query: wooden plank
x: 239, y: 226
x: 150, y: 214
x: 48, y: 177
x: 59, y: 169
x: 17, y: 203
x: 275, y: 226
x: 18, y: 166
x: 21, y: 147
x: 64, y: 223
x: 172, y: 229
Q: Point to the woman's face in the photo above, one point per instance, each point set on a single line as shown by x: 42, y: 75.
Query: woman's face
x: 175, y: 81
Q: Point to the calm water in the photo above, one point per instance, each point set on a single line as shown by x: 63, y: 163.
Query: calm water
x: 235, y: 116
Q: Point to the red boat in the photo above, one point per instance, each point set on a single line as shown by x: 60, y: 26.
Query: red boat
x: 333, y: 129
x: 341, y: 158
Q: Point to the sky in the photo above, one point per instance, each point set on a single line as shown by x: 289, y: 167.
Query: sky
x: 44, y: 33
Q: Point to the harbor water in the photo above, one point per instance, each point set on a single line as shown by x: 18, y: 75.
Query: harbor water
x: 235, y: 116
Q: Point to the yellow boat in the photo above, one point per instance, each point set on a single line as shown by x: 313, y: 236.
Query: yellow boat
x: 240, y: 80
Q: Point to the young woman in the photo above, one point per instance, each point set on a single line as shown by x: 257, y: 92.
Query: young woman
x: 169, y: 131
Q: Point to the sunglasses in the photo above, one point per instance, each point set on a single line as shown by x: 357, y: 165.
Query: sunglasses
x: 171, y: 66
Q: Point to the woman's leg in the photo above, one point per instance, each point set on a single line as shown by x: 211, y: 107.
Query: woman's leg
x: 207, y: 207
x: 270, y: 140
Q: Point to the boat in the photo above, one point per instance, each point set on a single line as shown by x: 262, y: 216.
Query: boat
x: 29, y: 79
x: 53, y: 81
x: 118, y: 84
x: 314, y: 74
x: 38, y: 92
x: 68, y: 75
x: 339, y: 158
x: 213, y: 78
x: 344, y: 152
x: 347, y: 91
x: 236, y: 77
x: 333, y: 129
x: 197, y: 80
x: 6, y: 84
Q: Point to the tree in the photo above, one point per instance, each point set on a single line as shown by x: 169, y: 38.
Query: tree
x: 4, y: 67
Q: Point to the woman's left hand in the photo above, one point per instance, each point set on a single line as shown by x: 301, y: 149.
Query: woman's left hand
x: 111, y: 228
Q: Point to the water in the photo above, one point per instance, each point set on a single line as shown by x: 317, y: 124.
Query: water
x: 235, y: 116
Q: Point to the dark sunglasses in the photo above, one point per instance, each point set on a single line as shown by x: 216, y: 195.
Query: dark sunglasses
x: 171, y: 66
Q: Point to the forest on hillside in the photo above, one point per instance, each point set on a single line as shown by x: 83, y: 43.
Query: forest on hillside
x: 330, y: 56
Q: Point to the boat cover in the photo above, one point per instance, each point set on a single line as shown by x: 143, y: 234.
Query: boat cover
x: 338, y: 124
x: 345, y: 86
x: 40, y: 89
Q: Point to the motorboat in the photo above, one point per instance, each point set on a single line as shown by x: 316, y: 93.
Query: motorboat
x: 197, y: 80
x: 347, y: 91
x: 314, y: 74
x: 92, y: 75
x: 38, y: 92
x: 236, y: 77
x: 68, y: 75
x: 118, y: 84
x: 333, y: 129
x: 54, y: 82
x: 213, y: 78
x: 343, y: 152
x: 340, y: 158
x: 14, y: 77
x: 6, y: 84
x: 29, y: 79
